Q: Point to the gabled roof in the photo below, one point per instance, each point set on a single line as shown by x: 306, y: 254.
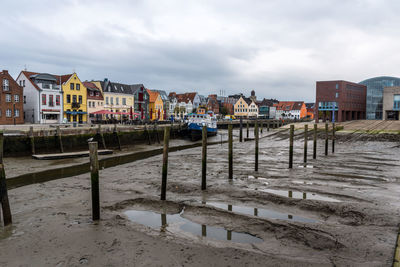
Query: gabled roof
x: 152, y: 95
x: 186, y: 97
x: 135, y: 87
x: 162, y: 93
x: 289, y: 105
x: 30, y: 75
x: 91, y: 86
x: 63, y: 78
x: 310, y: 105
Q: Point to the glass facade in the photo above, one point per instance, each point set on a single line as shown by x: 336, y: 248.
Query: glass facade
x: 327, y: 105
x: 375, y: 95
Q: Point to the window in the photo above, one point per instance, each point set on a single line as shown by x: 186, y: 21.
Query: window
x: 97, y: 94
x: 8, y: 113
x: 337, y: 95
x: 337, y: 86
x: 80, y: 99
x: 68, y: 98
x: 91, y: 93
x: 123, y: 101
x: 20, y: 83
x: 396, y: 102
x: 16, y: 113
x: 117, y: 100
x: 51, y: 103
x: 74, y: 99
x: 16, y: 98
x: 71, y: 86
x: 106, y: 100
x: 43, y: 99
x: 78, y: 86
x: 112, y: 100
x: 23, y: 83
x: 24, y: 99
x: 6, y: 85
x: 8, y: 98
x: 57, y: 100
x: 93, y: 104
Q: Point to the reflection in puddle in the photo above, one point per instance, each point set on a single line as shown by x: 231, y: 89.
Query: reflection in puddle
x: 270, y: 214
x: 171, y: 221
x: 296, y: 194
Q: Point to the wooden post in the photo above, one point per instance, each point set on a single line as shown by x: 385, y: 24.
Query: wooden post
x: 333, y: 138
x: 255, y: 212
x: 204, y: 159
x: 230, y: 156
x: 326, y: 139
x: 155, y: 130
x: 305, y: 143
x: 60, y: 139
x: 94, y: 178
x: 32, y: 140
x: 146, y: 130
x: 241, y: 130
x: 247, y: 126
x: 268, y: 126
x: 262, y: 126
x: 256, y: 146
x: 315, y: 141
x: 5, y: 204
x: 117, y: 136
x: 165, y: 164
x: 101, y: 136
x: 291, y: 146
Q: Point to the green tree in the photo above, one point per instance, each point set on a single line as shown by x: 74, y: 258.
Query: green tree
x: 224, y: 111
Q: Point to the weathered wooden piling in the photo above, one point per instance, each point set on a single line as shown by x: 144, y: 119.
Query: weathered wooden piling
x: 32, y: 140
x: 204, y: 159
x: 291, y: 146
x: 326, y: 139
x: 94, y: 178
x: 333, y: 138
x: 203, y: 230
x: 290, y: 194
x: 247, y: 129
x: 305, y: 142
x: 146, y: 131
x: 5, y: 204
x: 117, y: 136
x: 241, y: 130
x: 262, y: 126
x: 229, y: 234
x: 60, y: 139
x: 103, y: 142
x: 267, y: 126
x: 165, y: 163
x: 230, y: 153
x: 256, y: 137
x: 255, y: 212
x: 304, y: 195
x: 157, y: 137
x: 315, y: 141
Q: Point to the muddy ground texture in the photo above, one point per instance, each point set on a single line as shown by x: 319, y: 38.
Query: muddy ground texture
x: 348, y: 202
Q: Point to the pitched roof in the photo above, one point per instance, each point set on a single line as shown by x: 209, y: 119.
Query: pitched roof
x: 289, y: 105
x: 63, y: 78
x: 91, y: 86
x: 135, y: 87
x: 153, y: 95
x: 28, y: 75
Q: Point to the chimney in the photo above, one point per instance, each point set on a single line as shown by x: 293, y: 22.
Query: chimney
x: 5, y: 71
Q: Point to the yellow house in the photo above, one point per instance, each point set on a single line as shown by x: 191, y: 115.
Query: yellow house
x: 74, y: 98
x: 156, y: 106
x: 241, y: 107
x: 118, y: 98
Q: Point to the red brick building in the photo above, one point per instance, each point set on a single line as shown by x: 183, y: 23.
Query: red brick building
x: 11, y: 100
x: 212, y: 104
x: 342, y: 99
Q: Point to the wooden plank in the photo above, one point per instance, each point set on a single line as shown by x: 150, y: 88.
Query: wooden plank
x: 70, y: 155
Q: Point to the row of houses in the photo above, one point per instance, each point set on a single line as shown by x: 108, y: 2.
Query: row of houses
x: 35, y: 97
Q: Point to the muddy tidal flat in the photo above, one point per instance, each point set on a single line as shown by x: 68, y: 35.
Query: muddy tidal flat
x: 337, y: 210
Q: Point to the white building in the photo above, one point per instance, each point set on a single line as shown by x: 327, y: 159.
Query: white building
x: 252, y: 110
x: 43, y: 102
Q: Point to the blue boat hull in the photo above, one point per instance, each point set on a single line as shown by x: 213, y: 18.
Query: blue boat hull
x: 195, y: 130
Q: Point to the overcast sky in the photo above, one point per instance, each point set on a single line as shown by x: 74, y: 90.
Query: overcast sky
x: 279, y: 48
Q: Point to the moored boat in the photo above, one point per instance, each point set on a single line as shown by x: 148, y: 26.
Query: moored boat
x: 196, y: 122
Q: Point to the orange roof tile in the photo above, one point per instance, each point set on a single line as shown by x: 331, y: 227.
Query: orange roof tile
x: 153, y: 95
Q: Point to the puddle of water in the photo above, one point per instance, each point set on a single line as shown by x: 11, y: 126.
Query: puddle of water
x: 301, y: 195
x: 171, y: 221
x: 270, y: 214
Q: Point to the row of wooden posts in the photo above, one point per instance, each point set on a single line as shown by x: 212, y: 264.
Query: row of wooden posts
x: 94, y: 163
x: 100, y: 133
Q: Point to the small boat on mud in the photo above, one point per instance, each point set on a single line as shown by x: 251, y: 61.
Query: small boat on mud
x: 196, y: 121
